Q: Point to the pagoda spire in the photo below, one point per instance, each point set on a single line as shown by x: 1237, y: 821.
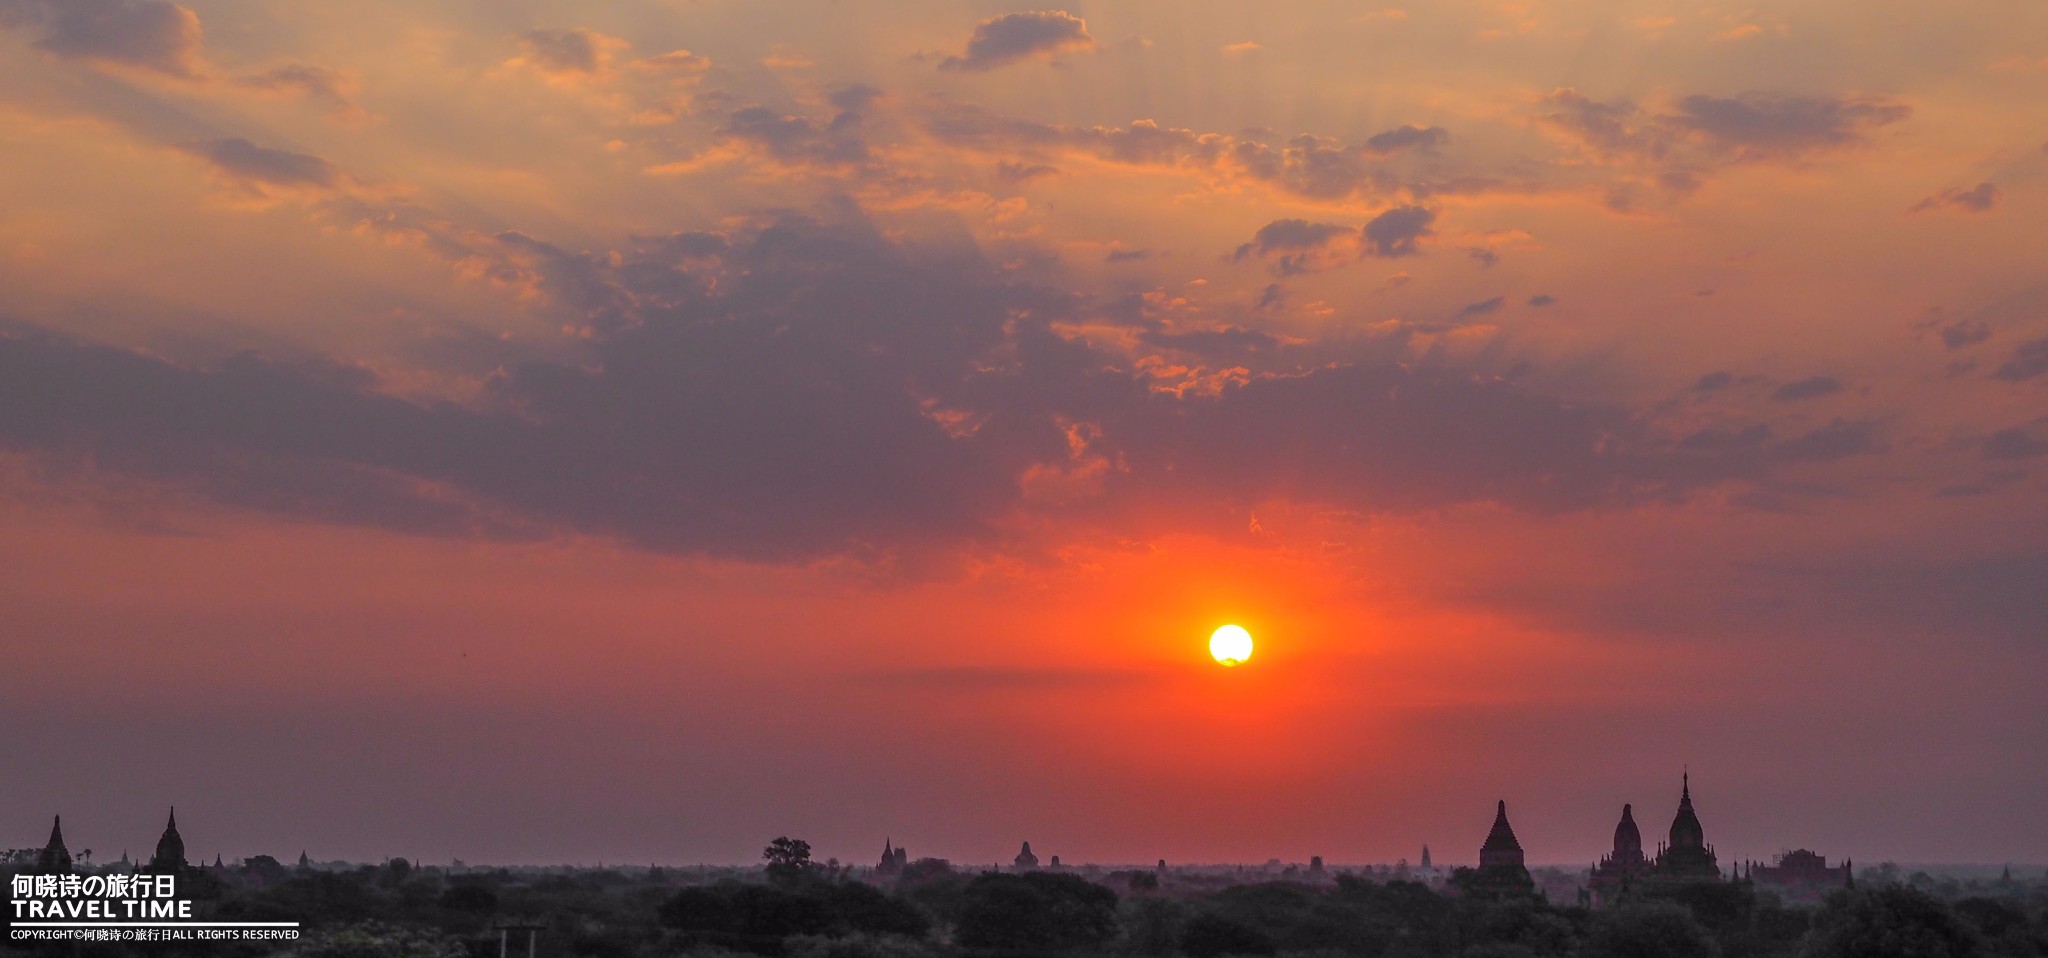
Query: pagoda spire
x: 170, y: 849
x: 55, y: 858
x: 1501, y: 846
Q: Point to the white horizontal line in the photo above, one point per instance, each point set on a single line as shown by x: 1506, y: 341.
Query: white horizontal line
x: 154, y: 924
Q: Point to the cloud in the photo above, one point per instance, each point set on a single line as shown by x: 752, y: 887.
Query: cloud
x: 1777, y: 126
x: 1714, y: 382
x: 1405, y: 138
x: 2014, y: 443
x: 794, y: 389
x: 1812, y: 387
x: 260, y: 168
x: 1963, y: 332
x: 1307, y: 165
x: 1542, y: 299
x: 154, y: 35
x: 794, y: 139
x: 1227, y: 341
x: 1396, y: 231
x: 2029, y: 359
x: 1019, y: 36
x: 1981, y: 198
x: 569, y: 53
x: 1483, y: 307
x: 1294, y: 246
x: 1010, y: 172
x: 1614, y: 128
x: 1838, y: 439
x: 1127, y: 255
x: 318, y: 84
x: 981, y: 680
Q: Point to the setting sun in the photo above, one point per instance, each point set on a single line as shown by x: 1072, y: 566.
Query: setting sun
x: 1230, y: 645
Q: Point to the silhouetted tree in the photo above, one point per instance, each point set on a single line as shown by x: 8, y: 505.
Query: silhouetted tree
x: 789, y: 859
x: 375, y: 940
x: 1035, y: 911
x: 1648, y: 930
x: 863, y: 909
x: 1891, y: 921
x: 1210, y: 935
x: 472, y: 898
x: 1152, y: 926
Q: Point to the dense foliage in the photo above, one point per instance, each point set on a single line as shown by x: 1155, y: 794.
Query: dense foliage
x: 796, y: 908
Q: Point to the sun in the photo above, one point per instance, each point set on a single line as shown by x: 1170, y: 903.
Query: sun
x: 1230, y: 645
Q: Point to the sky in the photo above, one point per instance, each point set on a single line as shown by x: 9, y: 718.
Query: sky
x: 526, y: 431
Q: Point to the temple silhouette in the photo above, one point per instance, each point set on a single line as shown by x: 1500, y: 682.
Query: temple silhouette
x: 1684, y: 858
x: 55, y: 858
x: 1501, y: 869
x: 894, y: 859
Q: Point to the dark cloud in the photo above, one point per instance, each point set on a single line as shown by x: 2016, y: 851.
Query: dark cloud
x: 797, y: 139
x: 799, y: 389
x: 1768, y: 125
x: 1406, y: 138
x: 1614, y: 128
x: 318, y: 84
x: 1270, y: 298
x: 153, y: 35
x: 1483, y: 307
x: 1723, y: 439
x: 1542, y: 299
x: 1293, y: 245
x: 1977, y: 199
x: 1017, y: 36
x: 1486, y: 257
x: 1714, y: 382
x: 1964, y: 332
x: 1228, y: 341
x: 975, y: 680
x: 1812, y: 387
x: 246, y: 161
x: 1127, y: 255
x: 855, y: 97
x: 1838, y: 439
x: 1395, y: 232
x: 1313, y: 166
x: 782, y: 414
x: 574, y: 50
x: 1010, y: 172
x: 2016, y: 443
x: 2029, y: 359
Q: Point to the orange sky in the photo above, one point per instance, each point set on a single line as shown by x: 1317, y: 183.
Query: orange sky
x: 536, y: 432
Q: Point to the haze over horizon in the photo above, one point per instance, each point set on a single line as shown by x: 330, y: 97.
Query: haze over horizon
x: 544, y: 432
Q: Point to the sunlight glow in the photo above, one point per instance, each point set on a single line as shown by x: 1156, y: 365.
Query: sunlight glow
x: 1230, y: 645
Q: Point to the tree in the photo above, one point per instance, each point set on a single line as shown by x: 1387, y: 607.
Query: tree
x: 1890, y: 921
x: 1037, y: 912
x: 1153, y: 926
x: 1649, y: 930
x: 1211, y: 935
x: 469, y: 897
x: 789, y: 860
x: 375, y: 940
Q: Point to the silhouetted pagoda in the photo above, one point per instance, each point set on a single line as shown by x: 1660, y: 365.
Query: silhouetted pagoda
x: 55, y: 858
x: 1687, y: 857
x: 170, y: 850
x: 1025, y: 860
x: 894, y: 860
x: 1501, y: 871
x: 1803, y: 875
x: 1625, y: 865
